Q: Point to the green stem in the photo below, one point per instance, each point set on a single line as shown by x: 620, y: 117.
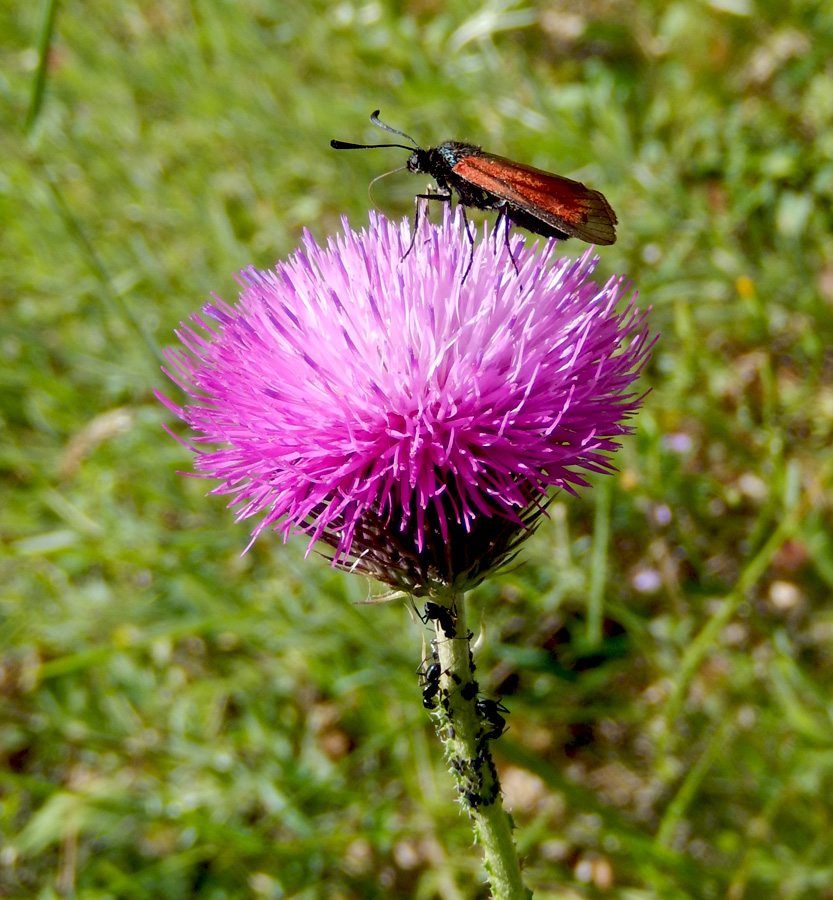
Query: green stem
x: 44, y: 46
x: 466, y: 733
x: 598, y: 567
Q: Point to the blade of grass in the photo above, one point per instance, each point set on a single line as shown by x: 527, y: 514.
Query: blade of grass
x: 598, y: 564
x: 42, y: 71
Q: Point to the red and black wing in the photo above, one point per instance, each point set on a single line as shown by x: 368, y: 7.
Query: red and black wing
x: 559, y: 202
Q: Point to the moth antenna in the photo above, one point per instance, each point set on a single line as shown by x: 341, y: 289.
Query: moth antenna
x: 374, y: 118
x: 347, y: 145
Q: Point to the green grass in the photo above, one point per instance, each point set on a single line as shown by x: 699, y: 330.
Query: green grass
x: 179, y: 721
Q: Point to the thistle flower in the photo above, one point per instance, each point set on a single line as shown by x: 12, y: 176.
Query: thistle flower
x: 413, y: 421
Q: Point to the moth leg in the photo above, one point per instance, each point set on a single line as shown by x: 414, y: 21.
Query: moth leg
x: 504, y: 214
x: 501, y: 215
x: 443, y: 198
x: 470, y: 236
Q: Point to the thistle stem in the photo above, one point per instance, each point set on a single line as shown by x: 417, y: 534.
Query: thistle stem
x: 466, y: 729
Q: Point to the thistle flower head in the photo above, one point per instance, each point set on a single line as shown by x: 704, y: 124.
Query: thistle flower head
x: 411, y: 420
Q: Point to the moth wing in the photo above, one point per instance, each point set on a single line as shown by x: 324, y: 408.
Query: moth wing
x: 559, y: 202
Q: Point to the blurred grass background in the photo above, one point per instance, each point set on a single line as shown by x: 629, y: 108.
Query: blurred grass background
x: 179, y: 721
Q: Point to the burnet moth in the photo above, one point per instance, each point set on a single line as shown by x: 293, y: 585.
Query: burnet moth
x: 543, y: 203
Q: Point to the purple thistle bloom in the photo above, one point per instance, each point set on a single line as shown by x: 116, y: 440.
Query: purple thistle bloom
x: 411, y: 420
